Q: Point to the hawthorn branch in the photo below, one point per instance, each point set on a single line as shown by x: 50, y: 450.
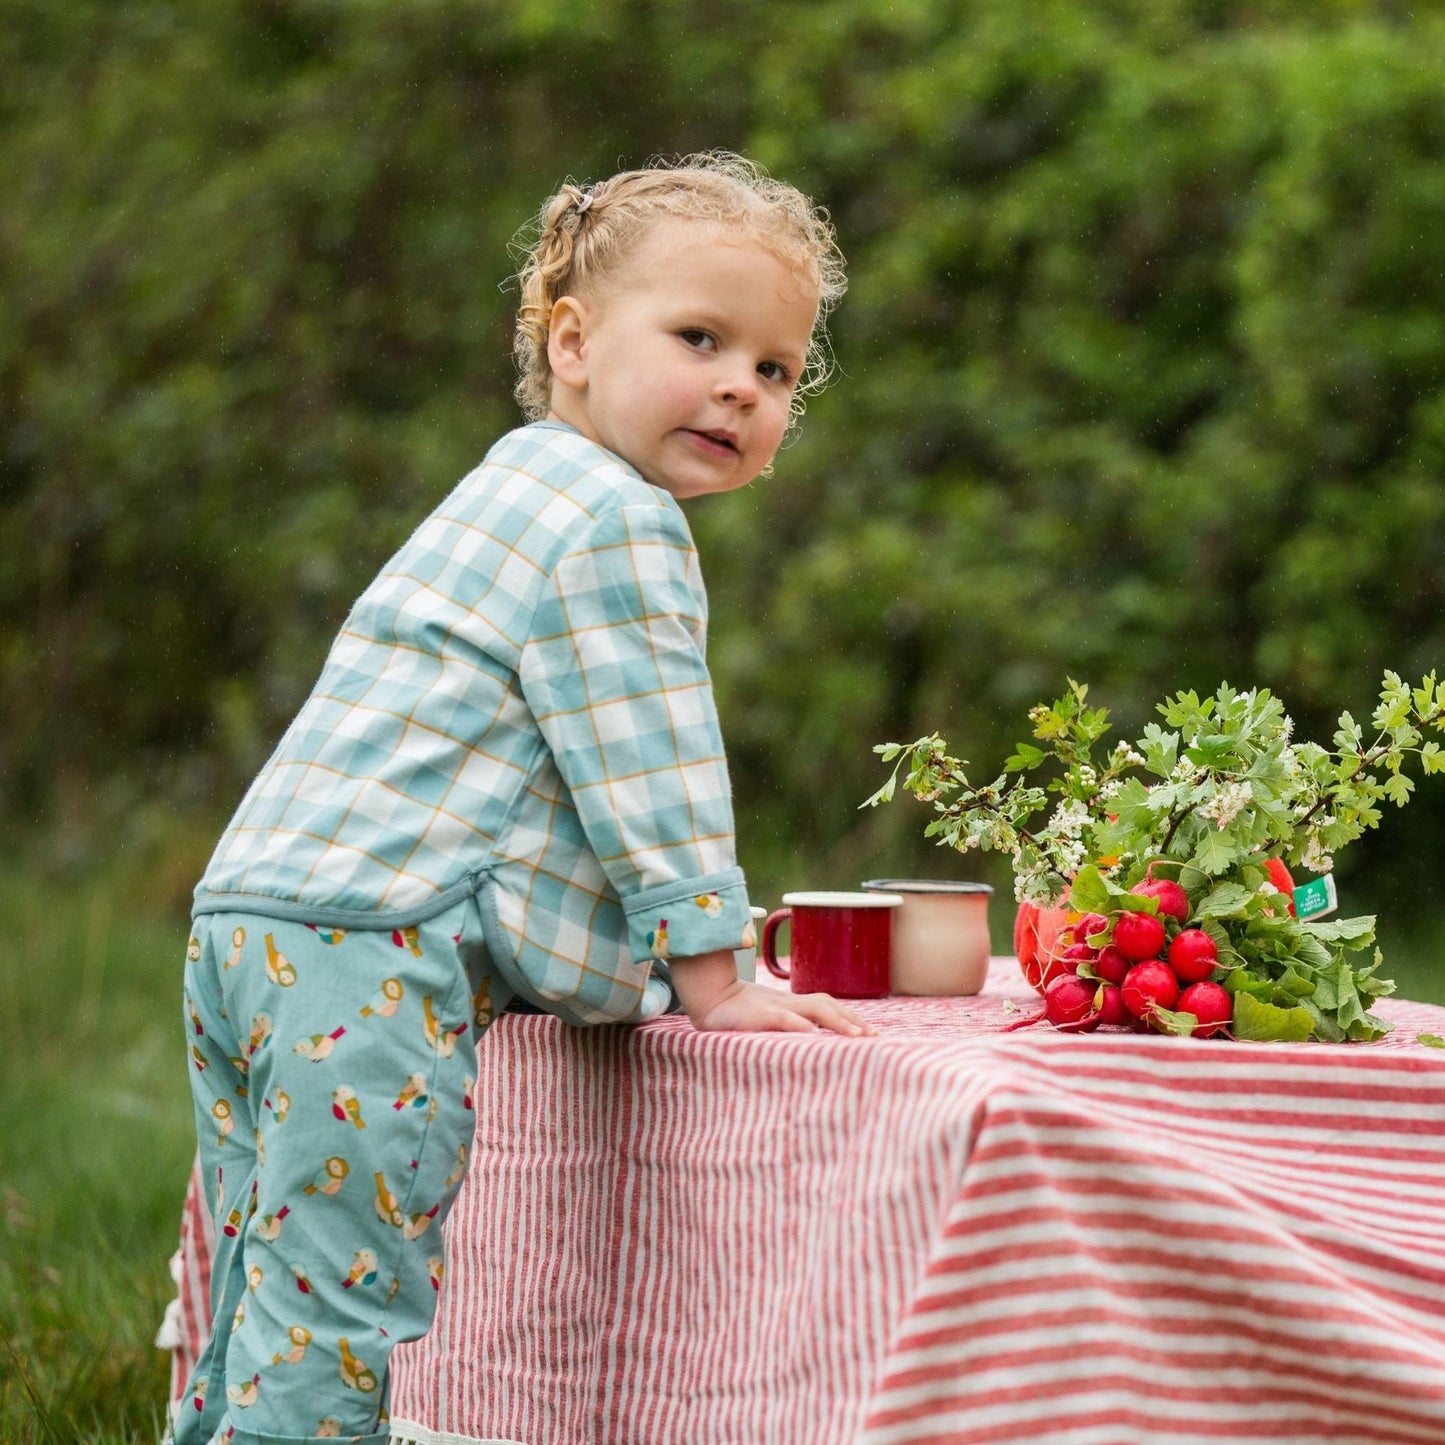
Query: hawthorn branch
x: 1367, y: 760
x: 1174, y: 827
x: 984, y: 800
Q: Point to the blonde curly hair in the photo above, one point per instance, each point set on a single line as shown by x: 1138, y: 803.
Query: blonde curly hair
x: 583, y: 236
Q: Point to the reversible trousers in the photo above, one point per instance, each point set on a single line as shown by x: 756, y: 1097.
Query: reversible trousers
x: 333, y: 1074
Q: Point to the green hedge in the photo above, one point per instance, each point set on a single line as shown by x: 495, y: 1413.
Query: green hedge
x: 1140, y: 377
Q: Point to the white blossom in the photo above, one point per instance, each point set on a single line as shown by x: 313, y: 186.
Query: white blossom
x: 1069, y: 819
x: 1228, y: 803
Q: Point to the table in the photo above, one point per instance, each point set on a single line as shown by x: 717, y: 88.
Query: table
x: 953, y: 1232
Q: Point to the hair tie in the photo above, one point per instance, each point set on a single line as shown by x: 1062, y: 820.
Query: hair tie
x: 584, y: 203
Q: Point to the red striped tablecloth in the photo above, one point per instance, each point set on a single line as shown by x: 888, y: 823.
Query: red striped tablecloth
x: 948, y: 1232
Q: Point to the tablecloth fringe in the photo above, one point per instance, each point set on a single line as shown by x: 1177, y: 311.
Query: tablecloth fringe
x: 171, y: 1333
x: 406, y: 1432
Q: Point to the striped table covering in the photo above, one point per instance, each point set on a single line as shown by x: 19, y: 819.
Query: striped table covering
x: 952, y: 1232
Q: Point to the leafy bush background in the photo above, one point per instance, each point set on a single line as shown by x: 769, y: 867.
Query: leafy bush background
x: 1141, y: 376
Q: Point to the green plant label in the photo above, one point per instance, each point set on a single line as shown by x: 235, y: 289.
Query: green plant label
x: 1316, y: 898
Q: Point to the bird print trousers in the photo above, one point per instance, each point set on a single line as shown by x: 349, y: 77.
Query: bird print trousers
x: 333, y: 1072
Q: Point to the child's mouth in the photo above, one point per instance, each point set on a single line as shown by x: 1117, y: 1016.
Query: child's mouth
x: 718, y: 443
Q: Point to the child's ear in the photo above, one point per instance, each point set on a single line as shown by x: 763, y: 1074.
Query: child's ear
x: 567, y: 341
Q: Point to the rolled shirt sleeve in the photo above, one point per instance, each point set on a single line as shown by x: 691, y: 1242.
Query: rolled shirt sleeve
x: 616, y: 676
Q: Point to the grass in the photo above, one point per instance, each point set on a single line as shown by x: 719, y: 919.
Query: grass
x: 95, y: 1145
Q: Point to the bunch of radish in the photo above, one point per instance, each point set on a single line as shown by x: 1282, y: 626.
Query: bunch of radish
x: 1139, y: 970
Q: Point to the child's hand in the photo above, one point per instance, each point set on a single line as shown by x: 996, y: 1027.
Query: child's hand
x: 753, y: 1008
x: 715, y: 998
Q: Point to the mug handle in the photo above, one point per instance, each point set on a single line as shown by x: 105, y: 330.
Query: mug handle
x: 774, y: 921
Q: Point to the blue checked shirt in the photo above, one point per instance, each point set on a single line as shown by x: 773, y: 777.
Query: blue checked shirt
x: 517, y: 708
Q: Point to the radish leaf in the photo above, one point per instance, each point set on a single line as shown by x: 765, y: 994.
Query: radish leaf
x: 1263, y: 1022
x: 1224, y: 901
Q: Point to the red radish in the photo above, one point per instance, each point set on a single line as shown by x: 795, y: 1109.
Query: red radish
x: 1279, y: 875
x: 1193, y: 955
x: 1138, y: 935
x: 1210, y: 1004
x: 1069, y: 1001
x: 1111, y: 965
x: 1171, y: 898
x: 1110, y: 1003
x: 1077, y: 953
x: 1088, y: 926
x: 1149, y: 985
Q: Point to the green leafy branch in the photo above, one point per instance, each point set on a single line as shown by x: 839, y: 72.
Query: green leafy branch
x: 1220, y: 782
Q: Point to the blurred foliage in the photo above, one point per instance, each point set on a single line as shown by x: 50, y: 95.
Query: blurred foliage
x: 1141, y: 375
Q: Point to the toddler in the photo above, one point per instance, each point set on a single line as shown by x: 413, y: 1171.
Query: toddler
x: 507, y: 786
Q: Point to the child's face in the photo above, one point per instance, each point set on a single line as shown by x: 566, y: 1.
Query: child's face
x: 685, y: 365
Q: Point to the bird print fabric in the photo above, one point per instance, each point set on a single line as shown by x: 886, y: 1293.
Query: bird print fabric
x: 333, y: 1077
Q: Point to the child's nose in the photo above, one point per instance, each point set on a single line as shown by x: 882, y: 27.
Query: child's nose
x: 737, y: 384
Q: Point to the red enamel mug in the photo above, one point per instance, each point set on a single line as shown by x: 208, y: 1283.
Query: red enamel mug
x: 841, y: 943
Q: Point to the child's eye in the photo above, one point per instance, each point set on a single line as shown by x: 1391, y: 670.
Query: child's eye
x: 702, y: 340
x: 774, y: 371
